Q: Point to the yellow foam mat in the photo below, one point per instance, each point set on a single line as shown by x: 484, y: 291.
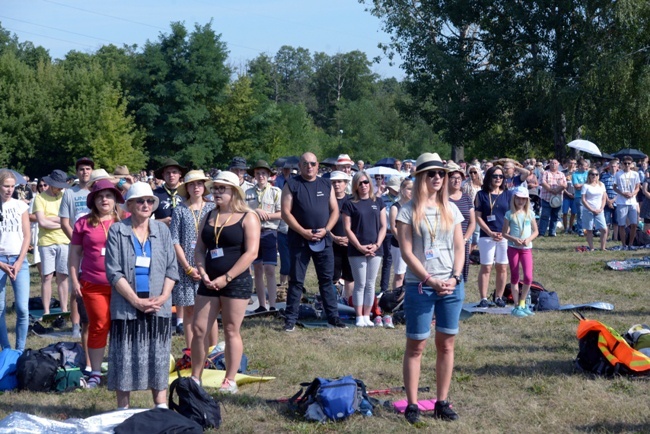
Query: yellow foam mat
x: 214, y: 377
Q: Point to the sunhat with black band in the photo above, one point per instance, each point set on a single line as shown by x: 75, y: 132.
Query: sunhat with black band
x: 429, y: 161
x: 57, y: 179
x: 229, y: 179
x: 261, y: 164
x: 192, y: 176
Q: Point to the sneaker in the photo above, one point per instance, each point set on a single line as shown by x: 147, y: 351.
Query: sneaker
x: 527, y: 311
x: 272, y: 309
x: 518, y: 312
x: 377, y: 322
x: 412, y: 414
x: 180, y: 331
x: 289, y: 327
x: 59, y: 323
x: 581, y: 233
x: 93, y: 382
x: 388, y: 322
x: 228, y: 386
x: 360, y: 322
x: 499, y: 302
x: 76, y: 330
x: 483, y: 303
x: 260, y: 309
x: 368, y: 322
x: 337, y: 323
x: 442, y: 410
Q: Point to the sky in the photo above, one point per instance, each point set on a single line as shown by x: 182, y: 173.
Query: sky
x: 248, y: 27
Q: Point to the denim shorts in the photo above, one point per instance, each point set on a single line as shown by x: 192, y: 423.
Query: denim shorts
x: 267, y: 253
x: 419, y: 310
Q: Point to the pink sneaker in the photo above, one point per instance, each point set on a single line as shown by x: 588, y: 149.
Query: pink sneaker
x: 377, y: 321
x: 388, y: 322
x: 228, y: 386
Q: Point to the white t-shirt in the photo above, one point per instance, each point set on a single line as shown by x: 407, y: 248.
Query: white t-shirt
x: 441, y: 265
x: 626, y: 182
x: 593, y: 194
x: 11, y: 228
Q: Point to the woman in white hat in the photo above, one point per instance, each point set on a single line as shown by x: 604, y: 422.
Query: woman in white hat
x: 431, y: 242
x: 227, y: 246
x: 141, y: 267
x: 184, y: 227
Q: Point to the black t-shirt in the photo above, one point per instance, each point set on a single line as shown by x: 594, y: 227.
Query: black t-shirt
x: 365, y: 222
x: 310, y: 205
x: 338, y: 228
x: 166, y: 206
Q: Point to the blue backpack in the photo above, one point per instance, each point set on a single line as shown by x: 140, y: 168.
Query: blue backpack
x: 8, y: 359
x: 547, y: 301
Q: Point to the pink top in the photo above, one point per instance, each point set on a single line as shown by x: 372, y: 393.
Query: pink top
x: 93, y: 241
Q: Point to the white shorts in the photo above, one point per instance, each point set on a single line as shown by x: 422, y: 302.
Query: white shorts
x: 398, y: 263
x: 492, y: 251
x: 54, y: 258
x: 627, y: 213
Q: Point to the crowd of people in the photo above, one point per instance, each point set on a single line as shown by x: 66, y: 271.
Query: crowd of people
x: 123, y: 248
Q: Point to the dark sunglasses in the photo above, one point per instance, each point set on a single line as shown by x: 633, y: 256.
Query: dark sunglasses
x: 473, y: 173
x: 42, y: 185
x: 628, y: 164
x: 219, y: 188
x: 309, y: 163
x: 142, y: 201
x: 593, y: 174
x: 497, y: 176
x: 364, y: 182
x: 432, y: 173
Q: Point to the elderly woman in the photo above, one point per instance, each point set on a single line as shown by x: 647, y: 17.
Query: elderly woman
x: 431, y: 241
x: 465, y: 205
x: 186, y: 219
x: 142, y: 269
x: 228, y: 244
x: 87, y: 254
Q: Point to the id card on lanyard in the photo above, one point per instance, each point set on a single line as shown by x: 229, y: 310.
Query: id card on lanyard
x: 142, y: 260
x: 432, y: 252
x: 217, y: 252
x: 492, y: 217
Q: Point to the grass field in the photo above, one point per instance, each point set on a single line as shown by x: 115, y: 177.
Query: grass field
x: 511, y: 374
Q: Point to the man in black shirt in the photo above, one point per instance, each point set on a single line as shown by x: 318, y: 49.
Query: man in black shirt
x: 310, y: 209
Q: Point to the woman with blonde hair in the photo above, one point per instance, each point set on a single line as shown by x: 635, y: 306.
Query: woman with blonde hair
x: 431, y: 242
x: 227, y: 246
x: 364, y: 220
x: 405, y: 194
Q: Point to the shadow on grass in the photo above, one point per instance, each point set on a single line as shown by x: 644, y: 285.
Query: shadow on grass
x: 617, y: 427
x: 544, y: 367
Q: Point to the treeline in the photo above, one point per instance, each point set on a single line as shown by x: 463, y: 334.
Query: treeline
x: 178, y: 97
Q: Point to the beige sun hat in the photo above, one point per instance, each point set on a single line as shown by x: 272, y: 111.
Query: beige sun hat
x: 138, y: 190
x: 191, y: 176
x: 428, y: 161
x: 229, y: 179
x: 96, y: 175
x: 453, y: 167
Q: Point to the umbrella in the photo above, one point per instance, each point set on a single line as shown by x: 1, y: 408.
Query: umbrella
x: 329, y: 162
x: 634, y: 153
x: 386, y: 162
x: 19, y: 178
x: 293, y: 161
x: 584, y: 146
x: 381, y: 170
x: 607, y: 156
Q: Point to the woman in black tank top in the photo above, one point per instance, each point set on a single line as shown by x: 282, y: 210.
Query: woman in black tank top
x: 227, y: 246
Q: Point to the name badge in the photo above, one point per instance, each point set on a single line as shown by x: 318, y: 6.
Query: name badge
x: 431, y: 254
x: 216, y: 253
x: 491, y: 218
x: 103, y: 251
x: 193, y: 245
x: 143, y: 261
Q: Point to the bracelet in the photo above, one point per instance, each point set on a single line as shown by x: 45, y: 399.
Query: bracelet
x: 423, y: 282
x: 189, y: 270
x: 121, y: 183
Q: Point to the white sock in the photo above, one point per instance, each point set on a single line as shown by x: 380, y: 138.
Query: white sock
x: 366, y: 319
x: 162, y: 406
x: 360, y: 322
x: 179, y: 321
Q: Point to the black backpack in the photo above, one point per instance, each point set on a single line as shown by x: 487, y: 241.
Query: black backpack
x: 158, y: 421
x: 194, y: 403
x: 36, y: 371
x: 391, y: 298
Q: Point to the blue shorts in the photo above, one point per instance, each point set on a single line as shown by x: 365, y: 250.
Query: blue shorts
x: 267, y: 254
x: 419, y: 310
x: 569, y: 204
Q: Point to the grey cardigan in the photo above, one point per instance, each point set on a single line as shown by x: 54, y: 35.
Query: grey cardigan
x: 120, y: 262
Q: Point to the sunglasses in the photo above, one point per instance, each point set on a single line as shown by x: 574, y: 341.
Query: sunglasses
x: 309, y: 163
x: 593, y: 174
x: 142, y: 201
x: 432, y: 173
x: 364, y: 182
x: 627, y: 164
x: 42, y: 185
x: 219, y: 188
x: 473, y: 173
x: 497, y: 176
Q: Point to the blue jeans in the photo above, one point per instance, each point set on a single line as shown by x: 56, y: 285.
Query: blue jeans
x: 577, y: 203
x: 21, y: 294
x: 548, y: 218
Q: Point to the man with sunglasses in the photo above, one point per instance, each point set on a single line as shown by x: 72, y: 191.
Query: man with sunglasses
x: 310, y: 209
x: 626, y: 186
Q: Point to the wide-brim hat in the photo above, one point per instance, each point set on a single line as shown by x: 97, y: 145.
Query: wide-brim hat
x: 169, y: 163
x: 453, y: 167
x: 337, y: 175
x: 556, y: 201
x: 344, y: 159
x: 103, y: 184
x: 138, y: 190
x: 121, y: 171
x: 191, y: 176
x: 238, y: 163
x: 428, y: 161
x: 229, y: 179
x: 261, y: 164
x: 394, y: 183
x: 96, y: 175
x: 57, y: 179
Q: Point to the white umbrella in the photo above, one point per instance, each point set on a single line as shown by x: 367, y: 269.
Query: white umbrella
x: 381, y: 170
x: 585, y: 146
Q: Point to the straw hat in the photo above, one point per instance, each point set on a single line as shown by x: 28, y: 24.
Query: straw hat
x: 229, y: 179
x: 337, y: 175
x: 453, y: 167
x: 428, y: 161
x: 344, y: 159
x: 191, y: 176
x: 96, y: 175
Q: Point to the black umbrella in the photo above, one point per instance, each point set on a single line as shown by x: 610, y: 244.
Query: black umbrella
x: 634, y: 153
x: 329, y: 162
x: 293, y: 161
x: 386, y: 162
x: 606, y: 156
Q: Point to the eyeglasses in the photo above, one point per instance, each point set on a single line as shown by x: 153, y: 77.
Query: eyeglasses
x: 309, y: 163
x: 219, y: 188
x: 496, y: 176
x: 627, y: 163
x: 432, y: 173
x: 456, y: 179
x: 364, y: 182
x: 142, y: 201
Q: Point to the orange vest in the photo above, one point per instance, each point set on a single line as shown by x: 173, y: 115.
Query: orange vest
x: 614, y: 347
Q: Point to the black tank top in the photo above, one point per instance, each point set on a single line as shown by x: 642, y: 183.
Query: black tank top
x: 233, y: 243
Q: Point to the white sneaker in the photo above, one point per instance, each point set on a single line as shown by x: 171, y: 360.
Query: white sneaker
x: 366, y: 319
x: 360, y: 322
x: 388, y: 322
x: 377, y: 321
x: 228, y: 386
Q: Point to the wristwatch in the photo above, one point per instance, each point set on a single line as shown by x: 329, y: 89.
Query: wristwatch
x: 228, y: 278
x: 458, y: 278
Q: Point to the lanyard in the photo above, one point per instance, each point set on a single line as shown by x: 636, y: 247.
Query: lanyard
x: 142, y: 243
x: 260, y: 195
x: 172, y: 194
x: 197, y: 218
x: 432, y: 229
x: 218, y: 234
x: 106, y: 230
x: 491, y: 202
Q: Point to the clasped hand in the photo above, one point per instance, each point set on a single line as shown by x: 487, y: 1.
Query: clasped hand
x: 150, y: 305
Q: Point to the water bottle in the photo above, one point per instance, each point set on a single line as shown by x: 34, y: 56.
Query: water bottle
x: 529, y: 301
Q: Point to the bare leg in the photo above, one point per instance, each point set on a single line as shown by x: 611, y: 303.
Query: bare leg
x: 502, y: 276
x: 188, y: 317
x: 398, y: 281
x: 74, y: 309
x: 259, y: 284
x: 621, y: 235
x: 484, y: 280
x: 46, y: 292
x: 589, y: 236
x: 159, y: 396
x: 411, y: 368
x: 96, y: 356
x: 62, y: 288
x: 232, y: 315
x: 123, y: 398
x: 444, y: 364
x: 603, y: 238
x: 206, y: 310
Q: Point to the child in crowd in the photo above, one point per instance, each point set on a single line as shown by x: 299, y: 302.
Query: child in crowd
x: 520, y: 229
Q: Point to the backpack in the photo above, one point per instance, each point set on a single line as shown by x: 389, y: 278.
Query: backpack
x: 535, y: 289
x: 547, y: 301
x: 36, y: 303
x: 68, y: 379
x: 36, y: 371
x: 158, y: 421
x: 8, y: 359
x: 390, y: 299
x: 194, y: 403
x: 68, y: 354
x: 331, y: 399
x: 217, y: 360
